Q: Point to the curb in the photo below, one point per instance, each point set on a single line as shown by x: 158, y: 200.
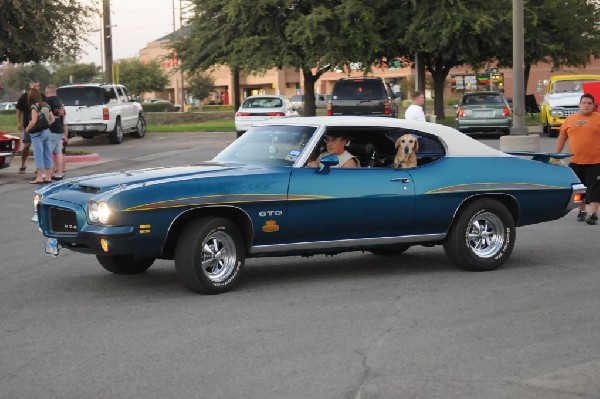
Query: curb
x: 94, y: 157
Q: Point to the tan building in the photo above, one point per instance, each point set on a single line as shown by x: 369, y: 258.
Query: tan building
x: 289, y: 82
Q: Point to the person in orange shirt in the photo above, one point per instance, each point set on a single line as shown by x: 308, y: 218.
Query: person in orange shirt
x: 582, y: 130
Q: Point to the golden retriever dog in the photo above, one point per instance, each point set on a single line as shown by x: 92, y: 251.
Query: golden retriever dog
x: 406, y: 155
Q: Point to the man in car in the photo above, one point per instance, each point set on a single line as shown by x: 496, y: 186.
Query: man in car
x: 336, y: 145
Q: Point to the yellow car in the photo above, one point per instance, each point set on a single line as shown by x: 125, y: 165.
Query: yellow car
x: 561, y: 100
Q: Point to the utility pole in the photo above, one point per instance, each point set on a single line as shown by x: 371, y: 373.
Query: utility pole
x: 518, y: 127
x: 107, y: 39
x: 182, y: 77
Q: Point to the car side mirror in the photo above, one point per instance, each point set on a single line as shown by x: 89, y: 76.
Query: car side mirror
x: 327, y: 162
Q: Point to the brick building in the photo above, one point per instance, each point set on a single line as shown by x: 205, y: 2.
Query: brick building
x: 289, y: 82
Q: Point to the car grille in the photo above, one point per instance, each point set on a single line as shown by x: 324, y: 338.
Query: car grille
x: 6, y: 145
x: 570, y: 111
x: 62, y: 220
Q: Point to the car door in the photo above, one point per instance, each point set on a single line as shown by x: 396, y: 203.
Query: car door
x: 129, y: 113
x: 350, y: 203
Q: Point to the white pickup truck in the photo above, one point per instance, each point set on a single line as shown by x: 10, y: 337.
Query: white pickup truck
x: 93, y: 109
x: 562, y: 97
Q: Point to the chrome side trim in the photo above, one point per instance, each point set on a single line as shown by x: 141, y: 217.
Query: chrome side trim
x: 357, y: 242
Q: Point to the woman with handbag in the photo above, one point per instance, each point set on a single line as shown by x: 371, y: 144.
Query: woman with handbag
x: 39, y: 129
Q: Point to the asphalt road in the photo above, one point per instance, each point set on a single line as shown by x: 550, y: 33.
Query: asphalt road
x: 350, y: 326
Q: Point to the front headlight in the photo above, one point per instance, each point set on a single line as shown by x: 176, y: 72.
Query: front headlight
x: 103, y: 212
x: 98, y: 212
x: 557, y: 112
x: 36, y: 200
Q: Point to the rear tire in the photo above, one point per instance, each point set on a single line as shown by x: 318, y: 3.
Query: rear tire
x: 122, y: 264
x: 482, y: 236
x: 116, y: 136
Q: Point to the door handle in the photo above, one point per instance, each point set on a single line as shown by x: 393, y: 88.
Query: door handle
x: 400, y: 179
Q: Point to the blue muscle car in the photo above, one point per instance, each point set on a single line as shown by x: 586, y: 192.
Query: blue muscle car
x: 259, y: 198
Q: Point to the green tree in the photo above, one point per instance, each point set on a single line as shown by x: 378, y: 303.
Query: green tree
x: 142, y: 77
x: 559, y: 32
x: 453, y: 33
x: 41, y: 30
x: 18, y: 78
x: 76, y: 73
x: 310, y: 35
x: 200, y: 85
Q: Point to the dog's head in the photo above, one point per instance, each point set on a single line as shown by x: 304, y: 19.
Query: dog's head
x: 407, y: 143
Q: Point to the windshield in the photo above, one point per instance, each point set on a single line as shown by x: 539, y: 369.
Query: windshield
x: 263, y: 102
x: 83, y: 96
x: 483, y: 98
x: 358, y: 90
x: 569, y: 86
x: 268, y: 145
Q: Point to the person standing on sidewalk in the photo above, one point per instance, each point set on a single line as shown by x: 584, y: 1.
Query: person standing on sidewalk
x: 40, y: 136
x: 23, y: 117
x: 60, y: 132
x: 582, y: 130
x: 414, y: 111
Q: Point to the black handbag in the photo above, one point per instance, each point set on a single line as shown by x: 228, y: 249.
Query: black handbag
x: 41, y: 123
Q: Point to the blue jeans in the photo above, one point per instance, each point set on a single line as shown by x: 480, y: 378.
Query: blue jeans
x: 42, y: 153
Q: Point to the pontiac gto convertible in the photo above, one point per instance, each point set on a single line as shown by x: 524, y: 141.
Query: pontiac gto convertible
x: 258, y: 198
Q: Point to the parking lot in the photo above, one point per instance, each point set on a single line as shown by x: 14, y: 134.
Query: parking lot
x: 351, y: 326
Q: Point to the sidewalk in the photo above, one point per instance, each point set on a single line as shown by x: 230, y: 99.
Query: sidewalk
x: 11, y: 174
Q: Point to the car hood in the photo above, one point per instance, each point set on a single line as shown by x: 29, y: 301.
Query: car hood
x: 109, y: 183
x: 563, y: 99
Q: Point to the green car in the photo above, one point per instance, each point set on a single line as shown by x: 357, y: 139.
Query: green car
x: 483, y: 111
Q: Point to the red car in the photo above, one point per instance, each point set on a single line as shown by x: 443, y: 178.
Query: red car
x: 9, y: 145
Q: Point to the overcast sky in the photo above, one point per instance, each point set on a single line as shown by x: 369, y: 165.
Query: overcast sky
x: 135, y: 23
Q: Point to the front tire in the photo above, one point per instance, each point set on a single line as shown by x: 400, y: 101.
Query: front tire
x: 122, y: 264
x: 209, y: 257
x: 116, y: 136
x: 140, y: 128
x: 482, y: 237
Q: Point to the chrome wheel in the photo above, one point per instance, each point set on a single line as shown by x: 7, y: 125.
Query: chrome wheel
x: 209, y: 257
x: 485, y: 235
x: 218, y: 256
x: 482, y: 236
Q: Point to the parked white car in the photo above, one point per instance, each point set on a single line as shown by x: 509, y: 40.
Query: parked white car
x: 8, y: 106
x: 101, y: 109
x: 260, y: 108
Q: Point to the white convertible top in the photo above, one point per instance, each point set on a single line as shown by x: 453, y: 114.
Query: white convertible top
x: 458, y: 144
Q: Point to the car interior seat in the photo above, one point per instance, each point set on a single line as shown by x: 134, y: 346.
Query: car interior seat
x: 364, y: 151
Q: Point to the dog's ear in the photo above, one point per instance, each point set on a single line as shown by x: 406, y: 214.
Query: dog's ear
x: 398, y: 143
x: 416, y: 145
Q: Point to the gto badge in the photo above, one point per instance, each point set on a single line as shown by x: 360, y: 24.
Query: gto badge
x: 270, y: 226
x: 263, y: 214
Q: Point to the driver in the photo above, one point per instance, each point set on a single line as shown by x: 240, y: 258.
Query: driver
x: 336, y: 145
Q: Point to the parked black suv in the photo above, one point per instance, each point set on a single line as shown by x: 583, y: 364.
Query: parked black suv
x: 362, y: 96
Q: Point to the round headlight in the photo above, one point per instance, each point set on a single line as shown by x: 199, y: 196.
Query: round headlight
x: 103, y: 212
x: 93, y: 211
x: 556, y: 112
